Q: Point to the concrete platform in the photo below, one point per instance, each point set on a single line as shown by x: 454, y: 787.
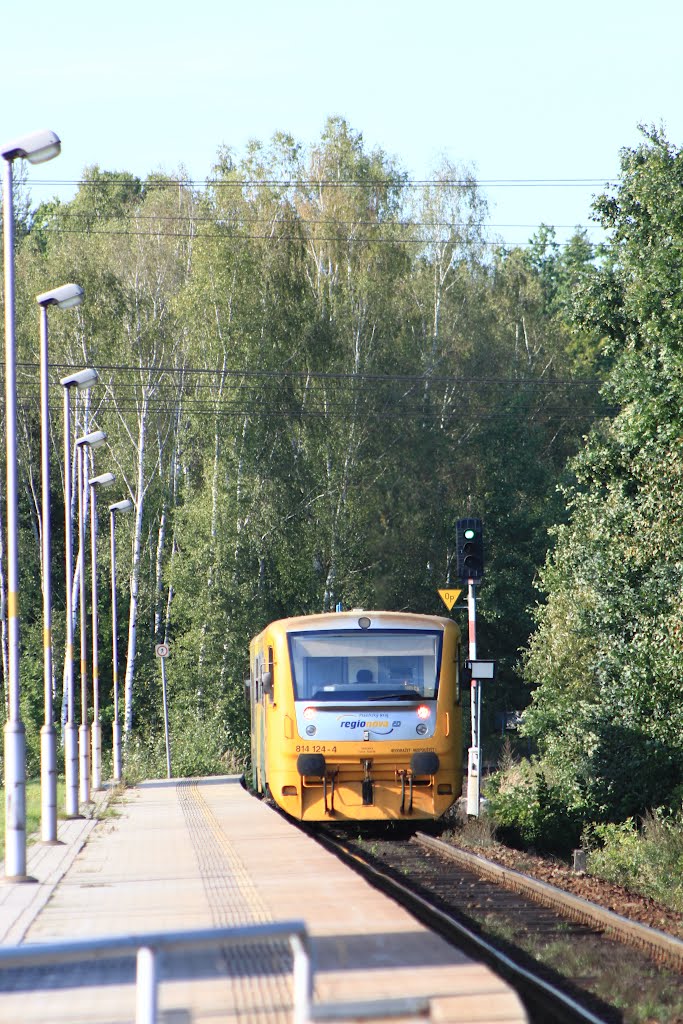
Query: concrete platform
x: 200, y: 853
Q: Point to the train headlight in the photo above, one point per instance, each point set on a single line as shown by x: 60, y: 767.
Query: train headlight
x: 311, y: 730
x: 423, y: 712
x: 421, y: 729
x: 310, y: 713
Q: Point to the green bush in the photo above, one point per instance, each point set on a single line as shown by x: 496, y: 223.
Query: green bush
x: 646, y: 857
x: 201, y: 743
x: 531, y: 813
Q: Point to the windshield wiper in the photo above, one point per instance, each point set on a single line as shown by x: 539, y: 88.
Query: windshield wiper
x: 403, y: 695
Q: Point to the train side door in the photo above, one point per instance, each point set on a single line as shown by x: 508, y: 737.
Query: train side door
x: 250, y: 688
x: 261, y: 689
x: 266, y: 689
x: 258, y: 725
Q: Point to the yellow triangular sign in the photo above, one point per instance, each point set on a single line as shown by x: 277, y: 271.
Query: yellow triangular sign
x: 449, y: 597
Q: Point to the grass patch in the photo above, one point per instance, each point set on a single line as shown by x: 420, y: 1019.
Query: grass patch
x: 32, y: 809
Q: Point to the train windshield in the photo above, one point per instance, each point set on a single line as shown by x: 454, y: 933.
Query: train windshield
x: 377, y: 665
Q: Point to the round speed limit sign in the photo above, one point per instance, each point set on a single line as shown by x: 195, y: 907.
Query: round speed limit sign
x: 161, y: 650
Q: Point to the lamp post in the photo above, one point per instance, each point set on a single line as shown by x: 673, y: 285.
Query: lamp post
x: 104, y: 480
x: 81, y: 380
x: 65, y: 297
x: 119, y: 506
x: 36, y: 148
x: 92, y: 440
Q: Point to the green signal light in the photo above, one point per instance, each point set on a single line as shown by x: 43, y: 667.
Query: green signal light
x: 469, y: 549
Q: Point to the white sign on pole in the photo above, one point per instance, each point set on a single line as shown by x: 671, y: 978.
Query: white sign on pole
x: 161, y: 650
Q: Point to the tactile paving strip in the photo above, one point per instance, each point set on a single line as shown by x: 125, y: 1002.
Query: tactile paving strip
x: 260, y: 975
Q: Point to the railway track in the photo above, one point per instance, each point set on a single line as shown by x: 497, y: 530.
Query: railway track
x: 569, y: 960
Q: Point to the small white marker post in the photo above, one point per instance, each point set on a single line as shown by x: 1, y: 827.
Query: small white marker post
x: 479, y: 672
x: 161, y: 651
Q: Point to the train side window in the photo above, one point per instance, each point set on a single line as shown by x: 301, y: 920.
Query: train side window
x: 267, y: 676
x: 271, y: 673
x: 258, y: 678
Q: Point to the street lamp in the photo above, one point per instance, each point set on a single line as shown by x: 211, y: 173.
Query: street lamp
x: 92, y: 440
x: 35, y: 148
x: 81, y: 380
x: 104, y: 480
x: 119, y: 506
x: 65, y: 297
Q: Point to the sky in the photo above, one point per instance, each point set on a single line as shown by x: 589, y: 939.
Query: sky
x: 525, y: 91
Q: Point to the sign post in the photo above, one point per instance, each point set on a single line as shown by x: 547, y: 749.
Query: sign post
x: 161, y: 651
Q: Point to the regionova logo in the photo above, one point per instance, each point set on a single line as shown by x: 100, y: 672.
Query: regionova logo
x: 377, y: 725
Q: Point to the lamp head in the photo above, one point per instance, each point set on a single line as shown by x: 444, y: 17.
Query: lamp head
x: 66, y: 296
x: 121, y: 506
x: 103, y: 480
x: 93, y: 440
x: 82, y: 379
x: 37, y: 148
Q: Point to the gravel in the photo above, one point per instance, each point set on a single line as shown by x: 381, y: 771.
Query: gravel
x: 606, y: 894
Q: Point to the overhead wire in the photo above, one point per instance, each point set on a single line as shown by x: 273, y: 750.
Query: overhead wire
x: 324, y: 393
x: 257, y: 404
x: 339, y: 399
x: 325, y: 375
x: 396, y: 226
x: 398, y: 182
x: 222, y: 221
x: 257, y: 411
x: 392, y: 182
x: 270, y: 237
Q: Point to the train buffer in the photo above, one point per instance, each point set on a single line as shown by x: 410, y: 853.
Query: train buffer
x: 193, y: 902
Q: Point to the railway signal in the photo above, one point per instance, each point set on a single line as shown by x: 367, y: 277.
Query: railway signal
x: 470, y: 567
x: 470, y: 549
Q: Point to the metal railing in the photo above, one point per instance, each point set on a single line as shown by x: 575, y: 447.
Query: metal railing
x: 146, y: 948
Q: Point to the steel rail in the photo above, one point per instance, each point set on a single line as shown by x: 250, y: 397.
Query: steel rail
x: 661, y: 946
x: 550, y: 1002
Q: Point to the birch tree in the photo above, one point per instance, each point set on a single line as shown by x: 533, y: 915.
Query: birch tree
x: 150, y: 260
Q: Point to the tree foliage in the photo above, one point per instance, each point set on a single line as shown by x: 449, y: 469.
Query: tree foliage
x: 309, y: 370
x: 607, y: 653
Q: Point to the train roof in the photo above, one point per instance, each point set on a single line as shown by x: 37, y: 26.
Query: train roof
x: 346, y: 619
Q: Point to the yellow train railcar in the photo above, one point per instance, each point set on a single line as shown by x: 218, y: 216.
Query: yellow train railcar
x: 356, y: 716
